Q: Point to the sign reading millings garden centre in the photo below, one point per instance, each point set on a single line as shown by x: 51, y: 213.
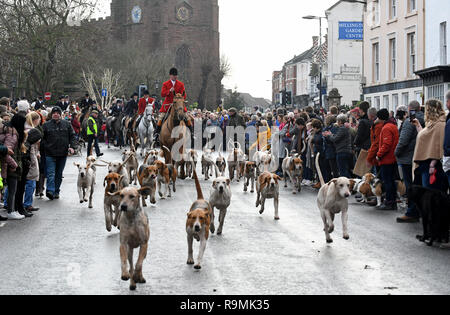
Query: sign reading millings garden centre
x: 351, y: 30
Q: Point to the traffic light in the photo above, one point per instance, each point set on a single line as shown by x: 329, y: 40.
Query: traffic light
x: 288, y: 98
x: 283, y: 98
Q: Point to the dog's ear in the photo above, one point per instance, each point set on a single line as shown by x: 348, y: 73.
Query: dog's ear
x: 76, y: 164
x: 114, y: 194
x: 352, y: 184
x: 277, y: 178
x: 121, y: 178
x: 104, y: 181
x: 145, y: 172
x: 228, y: 182
x: 214, y: 184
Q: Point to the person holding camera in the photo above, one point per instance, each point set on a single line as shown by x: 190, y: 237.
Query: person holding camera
x: 429, y: 148
x: 405, y: 151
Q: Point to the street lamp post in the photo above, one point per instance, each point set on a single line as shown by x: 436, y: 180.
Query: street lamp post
x: 312, y: 17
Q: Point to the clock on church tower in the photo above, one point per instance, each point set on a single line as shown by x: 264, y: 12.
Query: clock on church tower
x: 136, y: 14
x: 183, y: 12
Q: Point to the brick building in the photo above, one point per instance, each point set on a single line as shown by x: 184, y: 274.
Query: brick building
x: 189, y: 29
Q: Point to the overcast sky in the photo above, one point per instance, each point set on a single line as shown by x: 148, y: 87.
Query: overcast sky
x: 259, y: 36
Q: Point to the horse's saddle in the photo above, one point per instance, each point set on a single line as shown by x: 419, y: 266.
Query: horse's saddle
x: 130, y: 122
x: 136, y: 122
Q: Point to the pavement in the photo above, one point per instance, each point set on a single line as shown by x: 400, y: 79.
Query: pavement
x: 65, y: 249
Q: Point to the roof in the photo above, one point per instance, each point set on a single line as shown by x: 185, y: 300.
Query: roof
x: 251, y: 101
x: 311, y: 54
x: 339, y: 2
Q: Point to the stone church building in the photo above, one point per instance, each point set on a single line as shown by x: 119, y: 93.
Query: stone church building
x: 189, y: 29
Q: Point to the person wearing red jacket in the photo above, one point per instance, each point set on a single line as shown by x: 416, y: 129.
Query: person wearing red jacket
x: 169, y: 89
x: 386, y: 158
x: 144, y: 101
x: 76, y: 124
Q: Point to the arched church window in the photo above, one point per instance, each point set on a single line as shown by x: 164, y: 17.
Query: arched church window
x: 183, y: 58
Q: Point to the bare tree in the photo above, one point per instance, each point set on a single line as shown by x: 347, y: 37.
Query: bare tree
x: 136, y: 64
x: 42, y: 42
x: 109, y: 80
x: 224, y: 72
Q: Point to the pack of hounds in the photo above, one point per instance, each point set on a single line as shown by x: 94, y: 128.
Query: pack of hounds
x: 123, y: 203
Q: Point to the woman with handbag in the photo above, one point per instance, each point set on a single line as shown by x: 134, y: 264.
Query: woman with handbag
x: 429, y: 149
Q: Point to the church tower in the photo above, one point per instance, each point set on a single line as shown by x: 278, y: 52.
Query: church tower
x: 188, y: 29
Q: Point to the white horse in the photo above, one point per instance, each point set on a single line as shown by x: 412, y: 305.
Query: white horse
x: 145, y: 129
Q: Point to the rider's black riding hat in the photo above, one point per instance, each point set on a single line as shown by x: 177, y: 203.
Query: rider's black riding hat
x: 173, y: 71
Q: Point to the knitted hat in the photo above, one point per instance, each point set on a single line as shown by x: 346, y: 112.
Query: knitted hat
x: 4, y: 101
x: 34, y: 135
x: 23, y: 106
x: 383, y: 114
x: 94, y: 112
x: 56, y: 109
x: 232, y: 110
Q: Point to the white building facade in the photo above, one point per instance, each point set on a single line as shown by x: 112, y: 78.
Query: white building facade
x: 394, y: 50
x: 436, y: 75
x: 345, y: 61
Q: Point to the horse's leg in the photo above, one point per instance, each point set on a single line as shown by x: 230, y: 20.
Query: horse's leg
x: 142, y: 139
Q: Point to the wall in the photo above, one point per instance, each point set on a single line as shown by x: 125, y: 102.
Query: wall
x: 437, y: 11
x: 160, y: 29
x: 381, y: 33
x: 344, y: 56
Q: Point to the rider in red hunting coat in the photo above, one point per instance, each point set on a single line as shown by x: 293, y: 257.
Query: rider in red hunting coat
x: 144, y: 101
x: 168, y: 91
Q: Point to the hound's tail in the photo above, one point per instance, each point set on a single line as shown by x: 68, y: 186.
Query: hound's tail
x: 319, y: 172
x: 198, y: 187
x: 147, y: 155
x: 216, y: 169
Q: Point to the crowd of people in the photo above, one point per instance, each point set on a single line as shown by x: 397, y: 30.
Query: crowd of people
x: 34, y: 145
x: 412, y: 144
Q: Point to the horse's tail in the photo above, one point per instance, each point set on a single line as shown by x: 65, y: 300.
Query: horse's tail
x: 166, y: 149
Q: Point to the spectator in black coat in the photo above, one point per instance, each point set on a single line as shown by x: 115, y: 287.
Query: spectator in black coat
x: 132, y: 106
x: 58, y: 140
x: 362, y: 139
x: 86, y: 104
x: 404, y: 153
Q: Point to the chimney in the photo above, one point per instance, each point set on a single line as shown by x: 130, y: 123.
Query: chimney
x: 315, y: 41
